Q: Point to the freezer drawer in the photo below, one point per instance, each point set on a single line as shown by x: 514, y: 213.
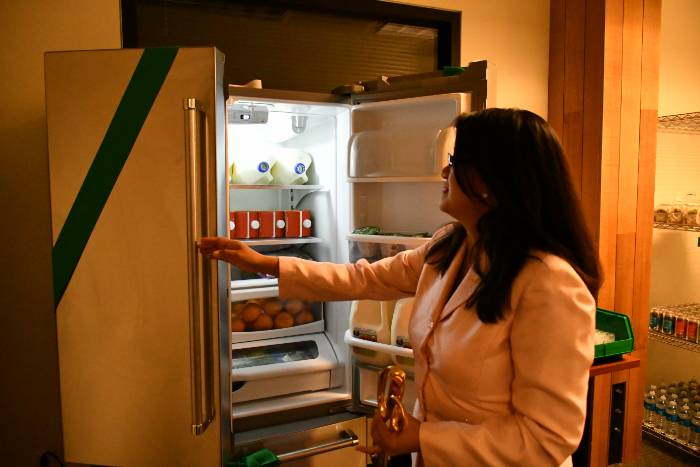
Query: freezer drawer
x: 317, y: 442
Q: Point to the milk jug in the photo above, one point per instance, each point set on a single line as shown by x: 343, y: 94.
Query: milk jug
x: 371, y: 320
x: 399, y: 329
x: 291, y: 166
x: 252, y: 171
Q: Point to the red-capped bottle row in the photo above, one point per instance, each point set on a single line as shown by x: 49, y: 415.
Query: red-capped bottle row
x: 270, y: 224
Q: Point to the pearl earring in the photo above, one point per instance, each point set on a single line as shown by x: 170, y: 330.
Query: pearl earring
x: 484, y: 195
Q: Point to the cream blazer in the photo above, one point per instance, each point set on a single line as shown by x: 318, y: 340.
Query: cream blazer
x: 511, y: 393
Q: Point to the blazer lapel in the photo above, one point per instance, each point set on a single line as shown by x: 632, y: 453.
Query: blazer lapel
x: 437, y: 295
x: 461, y: 294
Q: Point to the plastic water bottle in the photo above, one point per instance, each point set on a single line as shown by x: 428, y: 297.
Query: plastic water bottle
x: 671, y: 427
x: 695, y: 432
x: 684, y: 425
x: 660, y: 417
x: 649, y: 408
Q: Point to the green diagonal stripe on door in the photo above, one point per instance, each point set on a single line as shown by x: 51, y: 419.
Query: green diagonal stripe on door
x: 109, y: 160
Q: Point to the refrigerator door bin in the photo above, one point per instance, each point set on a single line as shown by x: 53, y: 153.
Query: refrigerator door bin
x: 282, y: 366
x: 381, y: 153
x: 391, y: 206
x: 399, y: 138
x: 375, y: 247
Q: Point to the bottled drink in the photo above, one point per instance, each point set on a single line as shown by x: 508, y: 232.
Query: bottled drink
x: 695, y: 432
x: 680, y: 326
x: 671, y: 428
x: 654, y: 320
x: 660, y: 417
x: 668, y: 325
x: 684, y: 425
x: 649, y: 408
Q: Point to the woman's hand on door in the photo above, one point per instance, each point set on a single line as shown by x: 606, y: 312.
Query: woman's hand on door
x: 238, y: 254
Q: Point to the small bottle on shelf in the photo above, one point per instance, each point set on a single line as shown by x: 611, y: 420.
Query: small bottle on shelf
x: 691, y: 333
x: 649, y: 408
x: 660, y: 417
x: 681, y: 325
x: 654, y: 320
x: 669, y: 323
x: 694, y: 438
x: 684, y: 416
x: 671, y: 427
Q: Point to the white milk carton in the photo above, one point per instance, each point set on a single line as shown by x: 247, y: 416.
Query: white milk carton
x: 399, y: 330
x: 371, y: 320
x: 252, y: 170
x: 291, y: 166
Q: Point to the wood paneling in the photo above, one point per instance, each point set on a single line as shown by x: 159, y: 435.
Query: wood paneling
x: 605, y: 109
x: 574, y: 60
x: 600, y: 419
x: 610, y: 164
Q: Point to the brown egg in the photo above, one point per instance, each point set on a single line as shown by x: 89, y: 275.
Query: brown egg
x: 236, y: 309
x: 237, y: 325
x: 251, y: 312
x: 272, y: 307
x: 263, y: 323
x: 284, y: 320
x: 303, y: 317
x: 294, y: 306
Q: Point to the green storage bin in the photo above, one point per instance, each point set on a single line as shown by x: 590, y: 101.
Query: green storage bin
x: 618, y: 324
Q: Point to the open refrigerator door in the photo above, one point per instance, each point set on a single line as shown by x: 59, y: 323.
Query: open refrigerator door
x: 330, y: 178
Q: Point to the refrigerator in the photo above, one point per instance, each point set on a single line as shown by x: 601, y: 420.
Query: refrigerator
x: 150, y: 150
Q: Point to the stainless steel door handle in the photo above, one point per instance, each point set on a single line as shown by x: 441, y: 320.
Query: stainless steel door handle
x: 199, y: 272
x: 347, y: 439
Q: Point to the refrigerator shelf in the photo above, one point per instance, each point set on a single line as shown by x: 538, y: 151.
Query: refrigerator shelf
x: 394, y: 179
x: 282, y: 241
x: 239, y: 294
x: 249, y: 336
x: 376, y: 346
x: 239, y: 186
x: 392, y: 239
x: 253, y: 283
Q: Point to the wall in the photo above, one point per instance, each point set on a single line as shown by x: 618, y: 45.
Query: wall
x: 675, y: 262
x: 679, y: 71
x: 28, y: 357
x: 514, y: 36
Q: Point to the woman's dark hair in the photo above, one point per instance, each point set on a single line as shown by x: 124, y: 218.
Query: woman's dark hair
x: 519, y: 158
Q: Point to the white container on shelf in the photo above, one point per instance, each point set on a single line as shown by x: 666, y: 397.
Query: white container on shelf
x: 252, y: 170
x: 291, y: 166
x: 371, y: 320
x: 399, y: 330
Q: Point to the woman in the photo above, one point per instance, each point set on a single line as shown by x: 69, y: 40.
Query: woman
x: 504, y: 311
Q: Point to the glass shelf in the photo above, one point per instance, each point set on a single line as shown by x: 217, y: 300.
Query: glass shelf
x: 674, y: 341
x: 689, y: 228
x: 395, y: 179
x: 661, y: 437
x: 238, y: 186
x: 281, y: 241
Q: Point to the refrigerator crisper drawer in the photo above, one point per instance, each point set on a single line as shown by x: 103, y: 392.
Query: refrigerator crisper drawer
x: 264, y: 320
x: 315, y: 442
x: 283, y: 366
